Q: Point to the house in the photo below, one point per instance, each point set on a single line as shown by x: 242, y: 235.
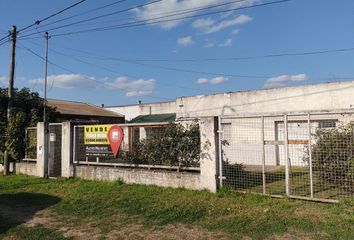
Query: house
x: 315, y: 97
x: 84, y: 112
x: 330, y: 105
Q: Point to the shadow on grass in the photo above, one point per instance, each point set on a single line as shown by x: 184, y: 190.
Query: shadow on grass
x: 18, y: 208
x: 240, y: 178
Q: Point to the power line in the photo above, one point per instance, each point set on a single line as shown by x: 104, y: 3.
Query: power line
x: 70, y: 71
x: 98, y: 17
x: 120, y: 73
x: 82, y: 13
x: 128, y: 75
x: 316, y: 52
x: 152, y: 22
x: 37, y: 22
x: 102, y: 57
x: 187, y: 10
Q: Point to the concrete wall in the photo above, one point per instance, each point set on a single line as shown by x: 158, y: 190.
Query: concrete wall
x: 317, y: 97
x: 28, y: 168
x: 132, y: 111
x: 140, y: 176
x: 206, y: 179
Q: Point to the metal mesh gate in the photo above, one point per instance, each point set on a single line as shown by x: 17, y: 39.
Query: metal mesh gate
x: 308, y: 156
x: 55, y: 141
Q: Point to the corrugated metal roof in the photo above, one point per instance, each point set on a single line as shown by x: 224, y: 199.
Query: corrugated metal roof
x: 79, y: 108
x: 168, y: 117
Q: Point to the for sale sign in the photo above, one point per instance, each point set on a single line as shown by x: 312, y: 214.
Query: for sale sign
x: 98, y: 139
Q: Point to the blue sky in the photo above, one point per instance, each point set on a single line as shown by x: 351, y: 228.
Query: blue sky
x: 106, y: 67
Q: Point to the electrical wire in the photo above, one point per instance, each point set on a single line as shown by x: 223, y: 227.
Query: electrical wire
x: 120, y: 73
x: 37, y: 22
x: 98, y: 17
x: 83, y: 13
x: 306, y: 53
x: 72, y: 72
x: 151, y: 21
x: 185, y: 11
x: 109, y: 58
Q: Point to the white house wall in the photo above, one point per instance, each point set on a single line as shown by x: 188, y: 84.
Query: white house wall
x: 291, y: 99
x: 132, y: 111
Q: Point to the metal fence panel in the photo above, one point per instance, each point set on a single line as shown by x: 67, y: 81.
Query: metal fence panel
x: 134, y: 136
x: 308, y: 156
x: 31, y: 143
x: 55, y: 141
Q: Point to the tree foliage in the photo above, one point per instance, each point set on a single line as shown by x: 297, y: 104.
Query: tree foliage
x: 333, y: 156
x: 175, y: 145
x: 27, y: 111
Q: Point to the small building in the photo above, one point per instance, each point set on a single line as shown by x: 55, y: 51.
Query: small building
x: 84, y: 112
x: 314, y: 97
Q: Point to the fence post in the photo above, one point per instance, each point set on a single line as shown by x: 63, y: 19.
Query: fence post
x: 208, y: 157
x: 220, y: 132
x: 40, y: 150
x: 310, y: 154
x: 66, y: 149
x: 286, y: 146
x: 263, y: 156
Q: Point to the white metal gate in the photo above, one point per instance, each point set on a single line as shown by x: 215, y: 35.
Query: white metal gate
x: 273, y: 155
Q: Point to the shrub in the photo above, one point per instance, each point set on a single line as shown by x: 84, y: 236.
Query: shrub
x: 333, y: 156
x: 175, y: 145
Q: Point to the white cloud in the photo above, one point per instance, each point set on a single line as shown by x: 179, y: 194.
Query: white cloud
x: 226, y: 43
x: 3, y: 79
x: 68, y: 81
x: 209, y: 43
x: 202, y: 81
x: 167, y: 7
x: 185, y: 41
x: 209, y: 26
x: 283, y: 80
x: 203, y: 23
x: 134, y: 88
x: 235, y: 32
x: 216, y: 80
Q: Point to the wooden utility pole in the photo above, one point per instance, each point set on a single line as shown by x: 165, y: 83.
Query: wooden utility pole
x: 45, y: 120
x: 10, y: 100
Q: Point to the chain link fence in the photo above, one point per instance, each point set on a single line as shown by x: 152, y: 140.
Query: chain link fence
x: 31, y: 143
x: 306, y: 156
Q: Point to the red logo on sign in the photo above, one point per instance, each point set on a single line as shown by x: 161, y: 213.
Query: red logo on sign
x: 115, y: 137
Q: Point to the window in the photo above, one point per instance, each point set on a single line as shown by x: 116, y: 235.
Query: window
x: 323, y: 124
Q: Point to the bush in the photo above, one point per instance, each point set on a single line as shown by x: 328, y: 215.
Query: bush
x: 175, y: 145
x: 333, y: 156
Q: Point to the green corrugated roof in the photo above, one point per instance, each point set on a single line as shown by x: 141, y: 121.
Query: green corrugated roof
x: 168, y: 117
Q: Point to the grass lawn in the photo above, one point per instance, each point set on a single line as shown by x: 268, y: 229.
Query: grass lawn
x: 32, y: 208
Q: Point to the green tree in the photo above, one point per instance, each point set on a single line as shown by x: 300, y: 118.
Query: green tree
x: 27, y: 111
x: 333, y: 156
x: 175, y: 145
